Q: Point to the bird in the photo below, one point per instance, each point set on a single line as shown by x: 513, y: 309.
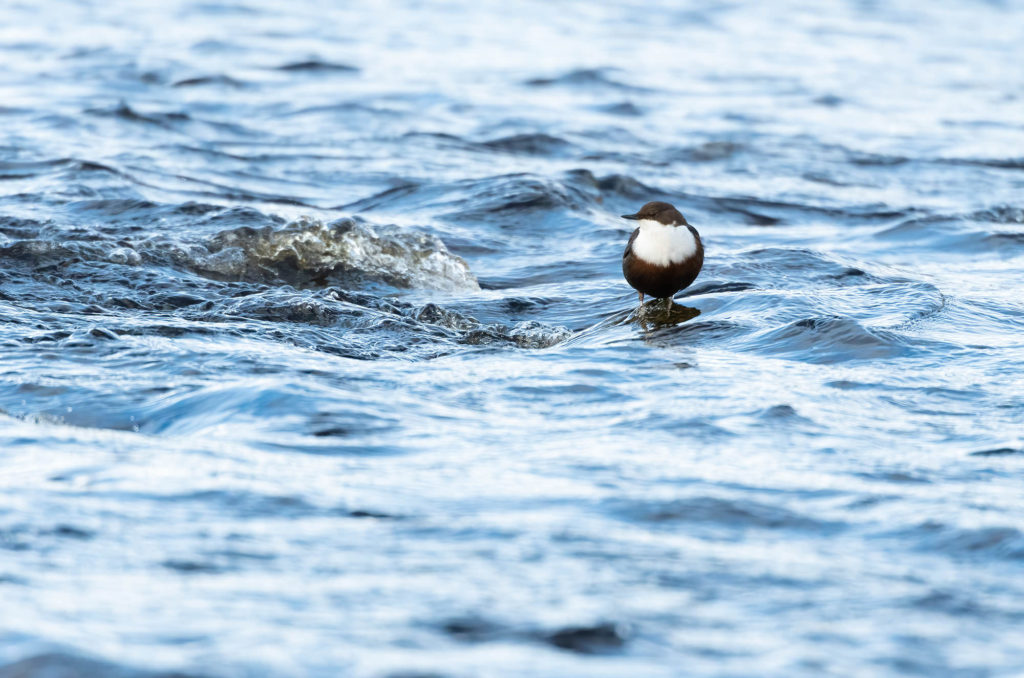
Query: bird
x: 664, y: 254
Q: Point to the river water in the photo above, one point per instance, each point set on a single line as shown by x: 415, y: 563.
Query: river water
x: 317, y: 359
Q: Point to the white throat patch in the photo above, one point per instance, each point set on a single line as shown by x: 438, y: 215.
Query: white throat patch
x: 662, y: 245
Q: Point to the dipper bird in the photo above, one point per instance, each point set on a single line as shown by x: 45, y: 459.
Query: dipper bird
x: 664, y: 254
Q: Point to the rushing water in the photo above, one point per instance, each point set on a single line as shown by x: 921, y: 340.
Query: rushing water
x: 317, y: 359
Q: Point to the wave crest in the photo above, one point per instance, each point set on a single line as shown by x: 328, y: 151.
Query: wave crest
x: 345, y: 251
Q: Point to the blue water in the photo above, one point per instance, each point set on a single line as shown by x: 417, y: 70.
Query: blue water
x: 317, y: 359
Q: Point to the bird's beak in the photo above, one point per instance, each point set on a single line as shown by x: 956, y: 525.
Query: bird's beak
x: 634, y: 217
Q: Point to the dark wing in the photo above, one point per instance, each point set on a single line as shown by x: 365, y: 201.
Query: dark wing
x: 629, y: 245
x: 696, y: 237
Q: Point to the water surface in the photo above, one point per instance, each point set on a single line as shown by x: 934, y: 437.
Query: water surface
x: 318, y: 361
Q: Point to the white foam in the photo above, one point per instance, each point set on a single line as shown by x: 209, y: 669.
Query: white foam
x: 662, y: 245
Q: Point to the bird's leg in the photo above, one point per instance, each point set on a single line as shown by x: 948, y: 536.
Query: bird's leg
x: 641, y: 298
x: 667, y: 309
